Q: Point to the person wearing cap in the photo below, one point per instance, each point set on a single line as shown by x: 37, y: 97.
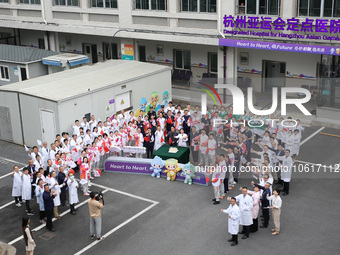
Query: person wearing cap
x: 95, y: 208
x: 162, y: 110
x: 151, y: 113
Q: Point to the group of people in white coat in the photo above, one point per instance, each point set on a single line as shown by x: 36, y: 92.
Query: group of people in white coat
x: 246, y: 213
x: 49, y: 189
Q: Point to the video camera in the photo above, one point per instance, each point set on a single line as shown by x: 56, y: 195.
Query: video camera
x: 100, y: 196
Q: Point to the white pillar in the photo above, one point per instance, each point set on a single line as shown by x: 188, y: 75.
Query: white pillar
x: 288, y: 9
x: 231, y: 65
x: 173, y: 7
x: 46, y: 8
x: 125, y: 14
x: 84, y: 6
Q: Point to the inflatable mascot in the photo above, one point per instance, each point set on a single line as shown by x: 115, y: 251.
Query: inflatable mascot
x: 188, y: 171
x: 156, y: 166
x: 172, y: 168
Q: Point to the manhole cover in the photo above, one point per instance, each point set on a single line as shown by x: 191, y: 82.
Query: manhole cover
x: 47, y: 236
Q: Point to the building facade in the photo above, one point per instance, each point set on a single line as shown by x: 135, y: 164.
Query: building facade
x: 258, y: 43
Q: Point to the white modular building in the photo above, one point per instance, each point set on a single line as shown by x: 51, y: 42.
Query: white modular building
x: 43, y: 107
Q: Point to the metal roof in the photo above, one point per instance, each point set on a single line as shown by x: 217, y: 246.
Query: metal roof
x: 62, y: 86
x: 21, y: 54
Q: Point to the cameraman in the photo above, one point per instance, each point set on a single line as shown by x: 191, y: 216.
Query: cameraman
x: 95, y: 208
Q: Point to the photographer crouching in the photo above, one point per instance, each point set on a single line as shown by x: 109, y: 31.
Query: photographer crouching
x: 95, y: 206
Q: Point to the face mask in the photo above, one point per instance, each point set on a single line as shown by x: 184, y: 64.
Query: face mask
x: 72, y: 177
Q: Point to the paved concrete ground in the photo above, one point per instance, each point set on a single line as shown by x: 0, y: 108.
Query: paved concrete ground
x: 185, y: 221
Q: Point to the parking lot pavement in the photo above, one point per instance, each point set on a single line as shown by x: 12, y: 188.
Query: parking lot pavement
x: 185, y: 221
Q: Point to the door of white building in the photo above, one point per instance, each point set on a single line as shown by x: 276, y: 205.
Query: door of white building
x: 274, y: 75
x: 48, y: 129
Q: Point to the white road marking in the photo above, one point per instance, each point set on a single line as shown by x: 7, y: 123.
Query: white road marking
x: 312, y: 135
x: 1, y: 177
x: 117, y: 228
x: 321, y: 165
x: 3, y: 206
x: 12, y: 161
x: 124, y: 193
x: 54, y: 219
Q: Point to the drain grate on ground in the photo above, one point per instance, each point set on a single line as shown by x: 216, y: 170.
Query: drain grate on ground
x: 47, y: 236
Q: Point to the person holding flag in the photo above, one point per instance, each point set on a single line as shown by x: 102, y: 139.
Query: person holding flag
x: 139, y: 140
x: 159, y: 138
x: 149, y: 141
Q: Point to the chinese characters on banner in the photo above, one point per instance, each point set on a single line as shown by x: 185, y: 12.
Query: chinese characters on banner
x: 277, y: 26
x: 316, y: 49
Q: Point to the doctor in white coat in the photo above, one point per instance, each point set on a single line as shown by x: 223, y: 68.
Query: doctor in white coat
x: 182, y: 138
x: 73, y: 195
x: 39, y: 191
x: 17, y: 186
x: 27, y: 190
x: 233, y: 212
x: 54, y: 185
x: 159, y: 138
x: 245, y: 203
x: 286, y: 171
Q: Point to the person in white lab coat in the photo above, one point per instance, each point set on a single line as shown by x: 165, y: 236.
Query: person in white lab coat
x: 233, y: 212
x: 85, y: 124
x: 216, y: 181
x: 54, y: 185
x: 182, y: 138
x: 159, y: 138
x: 246, y: 205
x: 27, y: 190
x: 39, y: 191
x: 286, y: 171
x: 53, y: 151
x: 44, y: 151
x: 34, y: 153
x: 203, y: 145
x: 72, y: 189
x: 75, y: 128
x: 17, y: 186
x: 211, y: 149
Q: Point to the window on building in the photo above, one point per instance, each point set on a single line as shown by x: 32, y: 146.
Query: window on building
x: 66, y: 2
x: 182, y: 59
x: 4, y: 74
x: 198, y: 6
x: 3, y: 1
x: 212, y: 62
x: 29, y: 1
x: 158, y: 5
x: 331, y: 8
x: 257, y: 7
x: 310, y: 8
x: 41, y: 43
x: 104, y: 3
x: 110, y: 53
